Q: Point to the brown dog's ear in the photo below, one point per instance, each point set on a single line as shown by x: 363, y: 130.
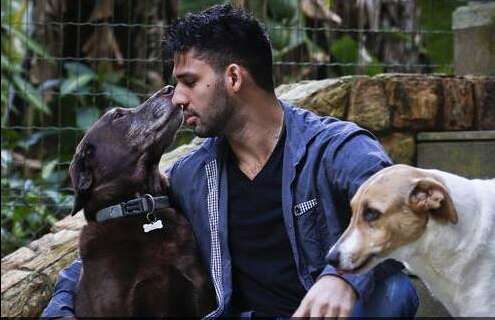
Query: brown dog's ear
x: 429, y: 195
x: 81, y: 177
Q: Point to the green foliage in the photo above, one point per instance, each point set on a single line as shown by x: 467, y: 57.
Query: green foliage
x: 34, y: 181
x: 196, y: 5
x: 345, y: 51
x: 15, y: 42
x: 30, y: 207
x: 439, y: 47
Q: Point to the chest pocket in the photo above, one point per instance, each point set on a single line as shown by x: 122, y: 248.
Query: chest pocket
x: 305, y: 207
x: 310, y: 228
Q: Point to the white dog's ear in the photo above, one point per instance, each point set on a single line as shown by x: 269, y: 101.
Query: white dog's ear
x: 430, y: 196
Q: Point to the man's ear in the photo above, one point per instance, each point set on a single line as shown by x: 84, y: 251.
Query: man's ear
x: 81, y: 177
x: 430, y: 196
x: 234, y: 77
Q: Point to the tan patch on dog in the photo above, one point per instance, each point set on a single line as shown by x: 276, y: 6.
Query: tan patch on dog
x: 392, y: 209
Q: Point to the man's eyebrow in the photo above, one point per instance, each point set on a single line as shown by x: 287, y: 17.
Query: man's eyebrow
x: 184, y: 75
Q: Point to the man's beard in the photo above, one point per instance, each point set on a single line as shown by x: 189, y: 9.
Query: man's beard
x: 213, y: 124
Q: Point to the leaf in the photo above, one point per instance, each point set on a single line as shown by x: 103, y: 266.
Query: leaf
x: 30, y: 43
x: 121, y: 96
x: 10, y: 67
x: 33, y: 139
x: 48, y: 169
x: 85, y: 117
x: 6, y: 159
x: 76, y: 69
x: 282, y: 10
x: 345, y: 49
x: 71, y: 84
x: 29, y: 93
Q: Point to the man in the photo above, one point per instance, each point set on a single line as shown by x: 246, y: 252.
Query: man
x: 268, y: 192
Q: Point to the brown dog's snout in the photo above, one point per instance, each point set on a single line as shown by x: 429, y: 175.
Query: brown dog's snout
x: 167, y: 90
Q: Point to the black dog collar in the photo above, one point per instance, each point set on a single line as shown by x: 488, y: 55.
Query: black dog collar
x: 143, y: 205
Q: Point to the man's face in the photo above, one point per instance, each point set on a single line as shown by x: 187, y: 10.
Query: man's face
x: 202, y: 93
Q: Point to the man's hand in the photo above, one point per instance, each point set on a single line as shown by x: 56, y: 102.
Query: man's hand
x: 330, y: 296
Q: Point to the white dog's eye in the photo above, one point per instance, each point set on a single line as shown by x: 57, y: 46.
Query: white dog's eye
x: 370, y: 214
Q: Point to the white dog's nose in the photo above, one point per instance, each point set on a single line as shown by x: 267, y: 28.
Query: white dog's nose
x: 333, y: 258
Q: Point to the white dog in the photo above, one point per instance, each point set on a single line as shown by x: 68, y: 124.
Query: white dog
x: 440, y: 225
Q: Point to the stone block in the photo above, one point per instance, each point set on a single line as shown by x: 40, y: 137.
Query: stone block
x: 12, y: 277
x: 26, y: 294
x: 458, y: 104
x: 474, y: 38
x: 400, y: 147
x: 52, y: 240
x: 414, y: 101
x: 325, y: 97
x: 17, y: 258
x: 75, y: 222
x: 368, y: 104
x: 484, y: 93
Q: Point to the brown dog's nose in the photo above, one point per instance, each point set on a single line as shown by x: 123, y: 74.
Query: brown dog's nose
x: 167, y: 90
x: 333, y: 258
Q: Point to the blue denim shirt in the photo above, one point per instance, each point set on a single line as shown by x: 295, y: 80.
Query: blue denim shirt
x: 325, y: 162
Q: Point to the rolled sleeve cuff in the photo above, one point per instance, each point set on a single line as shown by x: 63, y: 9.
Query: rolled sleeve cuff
x: 62, y: 301
x: 61, y: 305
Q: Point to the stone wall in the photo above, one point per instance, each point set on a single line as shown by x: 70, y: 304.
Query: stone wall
x: 393, y: 106
x: 397, y: 106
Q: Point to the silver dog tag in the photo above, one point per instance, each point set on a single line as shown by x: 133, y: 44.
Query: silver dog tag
x: 152, y: 226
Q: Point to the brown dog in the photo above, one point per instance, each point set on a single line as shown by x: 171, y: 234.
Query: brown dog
x: 126, y: 271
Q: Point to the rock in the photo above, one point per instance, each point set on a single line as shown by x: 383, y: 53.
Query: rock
x: 64, y: 243
x: 169, y: 158
x: 75, y: 222
x: 458, y: 105
x: 474, y: 38
x: 325, y: 97
x: 52, y: 240
x: 401, y: 147
x: 12, y: 277
x: 414, y: 100
x: 368, y: 104
x: 16, y: 258
x: 26, y: 295
x: 484, y: 93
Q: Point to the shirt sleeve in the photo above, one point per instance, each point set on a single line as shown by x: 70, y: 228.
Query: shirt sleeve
x: 351, y: 162
x: 62, y: 302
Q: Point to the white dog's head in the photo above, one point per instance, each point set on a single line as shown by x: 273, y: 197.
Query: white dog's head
x: 390, y: 210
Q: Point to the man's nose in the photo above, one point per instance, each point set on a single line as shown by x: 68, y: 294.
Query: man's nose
x: 179, y: 99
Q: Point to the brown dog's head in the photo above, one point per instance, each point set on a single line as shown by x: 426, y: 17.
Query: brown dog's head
x: 118, y: 156
x: 390, y: 210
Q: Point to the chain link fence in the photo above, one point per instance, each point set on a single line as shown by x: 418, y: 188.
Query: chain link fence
x: 66, y: 61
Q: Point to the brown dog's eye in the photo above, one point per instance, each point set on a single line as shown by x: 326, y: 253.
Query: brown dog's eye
x: 116, y: 115
x: 89, y: 150
x: 371, y: 214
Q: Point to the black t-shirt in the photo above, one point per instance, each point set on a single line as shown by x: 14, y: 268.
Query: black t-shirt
x: 264, y: 274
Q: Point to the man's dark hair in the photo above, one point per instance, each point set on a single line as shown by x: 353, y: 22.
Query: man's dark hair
x: 222, y: 35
